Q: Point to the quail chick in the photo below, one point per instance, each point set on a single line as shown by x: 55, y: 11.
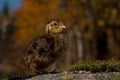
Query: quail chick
x: 46, y: 49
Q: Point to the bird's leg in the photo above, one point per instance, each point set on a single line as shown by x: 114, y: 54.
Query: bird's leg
x: 54, y: 71
x: 40, y: 72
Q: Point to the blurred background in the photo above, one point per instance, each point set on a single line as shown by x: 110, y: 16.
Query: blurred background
x: 94, y: 29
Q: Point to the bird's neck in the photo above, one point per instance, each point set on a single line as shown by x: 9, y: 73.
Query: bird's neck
x: 56, y: 35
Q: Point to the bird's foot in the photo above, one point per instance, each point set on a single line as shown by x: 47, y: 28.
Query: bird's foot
x: 54, y: 71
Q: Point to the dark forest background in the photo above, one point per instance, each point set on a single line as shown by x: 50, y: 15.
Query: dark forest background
x: 93, y: 30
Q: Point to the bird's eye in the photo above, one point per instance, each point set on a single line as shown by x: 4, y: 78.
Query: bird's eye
x: 55, y: 24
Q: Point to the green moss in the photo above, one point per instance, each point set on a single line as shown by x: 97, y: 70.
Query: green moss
x: 67, y: 77
x: 116, y: 78
x: 96, y: 66
x: 4, y: 78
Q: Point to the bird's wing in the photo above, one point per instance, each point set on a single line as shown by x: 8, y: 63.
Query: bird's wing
x: 38, y: 50
x: 39, y: 46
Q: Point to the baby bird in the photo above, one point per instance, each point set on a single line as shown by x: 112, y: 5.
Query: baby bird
x: 46, y: 49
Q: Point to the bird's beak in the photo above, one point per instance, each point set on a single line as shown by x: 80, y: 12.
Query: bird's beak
x: 63, y: 26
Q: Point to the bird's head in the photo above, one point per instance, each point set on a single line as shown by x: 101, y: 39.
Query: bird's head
x: 55, y: 26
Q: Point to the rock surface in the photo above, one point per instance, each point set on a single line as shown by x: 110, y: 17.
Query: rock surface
x: 81, y: 75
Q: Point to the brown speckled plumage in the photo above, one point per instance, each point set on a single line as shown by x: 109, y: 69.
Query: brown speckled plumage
x: 46, y: 49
